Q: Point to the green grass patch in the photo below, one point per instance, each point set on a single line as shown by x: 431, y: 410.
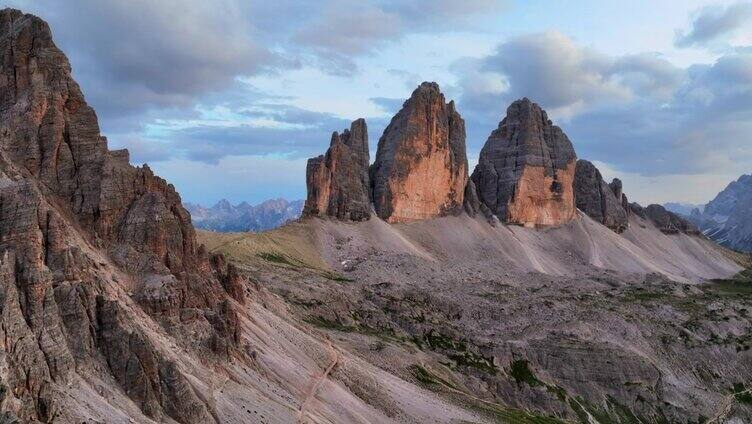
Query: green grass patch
x: 290, y: 262
x: 741, y: 394
x: 730, y: 287
x: 336, y: 277
x: 501, y: 414
x: 429, y: 378
x: 456, y: 350
x: 520, y: 371
x: 280, y: 259
x: 613, y: 412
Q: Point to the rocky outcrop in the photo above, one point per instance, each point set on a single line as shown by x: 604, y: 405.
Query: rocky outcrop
x: 600, y: 201
x: 618, y: 190
x: 338, y: 182
x: 526, y: 169
x: 82, y: 233
x: 420, y: 170
x: 666, y: 221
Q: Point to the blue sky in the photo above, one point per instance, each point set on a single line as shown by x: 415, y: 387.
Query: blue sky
x: 227, y: 99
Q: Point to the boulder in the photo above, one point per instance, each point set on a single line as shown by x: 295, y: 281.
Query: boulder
x: 420, y: 170
x: 597, y: 199
x: 526, y: 169
x: 338, y: 182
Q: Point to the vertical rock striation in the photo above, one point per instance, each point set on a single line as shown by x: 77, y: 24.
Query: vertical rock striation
x: 600, y: 201
x: 338, y: 182
x: 82, y: 234
x: 526, y: 169
x: 420, y: 170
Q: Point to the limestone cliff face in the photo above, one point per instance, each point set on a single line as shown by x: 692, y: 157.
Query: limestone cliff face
x: 83, y: 234
x: 601, y: 201
x: 338, y: 182
x: 420, y: 170
x: 526, y: 169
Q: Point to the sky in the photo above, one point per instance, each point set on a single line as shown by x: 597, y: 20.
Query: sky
x: 228, y: 98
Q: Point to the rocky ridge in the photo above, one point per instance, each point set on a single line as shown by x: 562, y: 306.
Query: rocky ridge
x: 666, y: 221
x: 86, y: 237
x: 726, y: 218
x: 601, y: 201
x: 226, y: 217
x: 528, y: 173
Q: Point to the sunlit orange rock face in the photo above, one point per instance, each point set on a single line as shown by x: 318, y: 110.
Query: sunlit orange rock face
x: 420, y: 170
x: 338, y: 183
x: 526, y: 169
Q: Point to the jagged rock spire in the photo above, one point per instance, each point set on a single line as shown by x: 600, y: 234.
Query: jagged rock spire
x: 338, y: 182
x: 420, y: 170
x: 600, y: 201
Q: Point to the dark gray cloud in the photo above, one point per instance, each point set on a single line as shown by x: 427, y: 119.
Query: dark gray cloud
x: 637, y: 113
x: 712, y: 23
x: 136, y: 55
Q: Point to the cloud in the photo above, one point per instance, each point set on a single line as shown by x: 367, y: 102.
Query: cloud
x: 638, y: 113
x: 712, y: 23
x: 552, y: 69
x: 142, y: 54
x: 346, y: 30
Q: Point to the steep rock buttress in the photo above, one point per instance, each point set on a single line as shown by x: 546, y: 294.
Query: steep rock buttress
x: 420, y: 170
x: 526, y: 169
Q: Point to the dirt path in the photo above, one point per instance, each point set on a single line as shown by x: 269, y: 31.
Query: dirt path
x: 334, y: 356
x: 726, y: 405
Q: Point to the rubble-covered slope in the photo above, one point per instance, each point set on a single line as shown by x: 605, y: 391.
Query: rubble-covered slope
x: 573, y: 324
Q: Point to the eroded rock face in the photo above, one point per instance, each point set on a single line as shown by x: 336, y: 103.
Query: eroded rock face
x: 597, y: 199
x: 526, y: 169
x: 338, y: 182
x: 666, y: 221
x: 82, y: 232
x: 420, y: 170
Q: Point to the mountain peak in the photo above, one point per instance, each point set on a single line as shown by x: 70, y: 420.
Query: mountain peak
x: 526, y: 169
x: 420, y: 170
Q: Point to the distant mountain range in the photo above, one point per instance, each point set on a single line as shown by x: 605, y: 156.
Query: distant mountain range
x: 226, y: 217
x: 727, y: 218
x: 684, y: 209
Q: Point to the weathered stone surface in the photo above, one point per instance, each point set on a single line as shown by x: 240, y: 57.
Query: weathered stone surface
x: 153, y: 382
x: 472, y: 203
x: 228, y: 275
x: 526, y: 169
x: 420, y: 170
x: 668, y: 222
x: 600, y: 201
x: 79, y: 223
x: 338, y: 182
